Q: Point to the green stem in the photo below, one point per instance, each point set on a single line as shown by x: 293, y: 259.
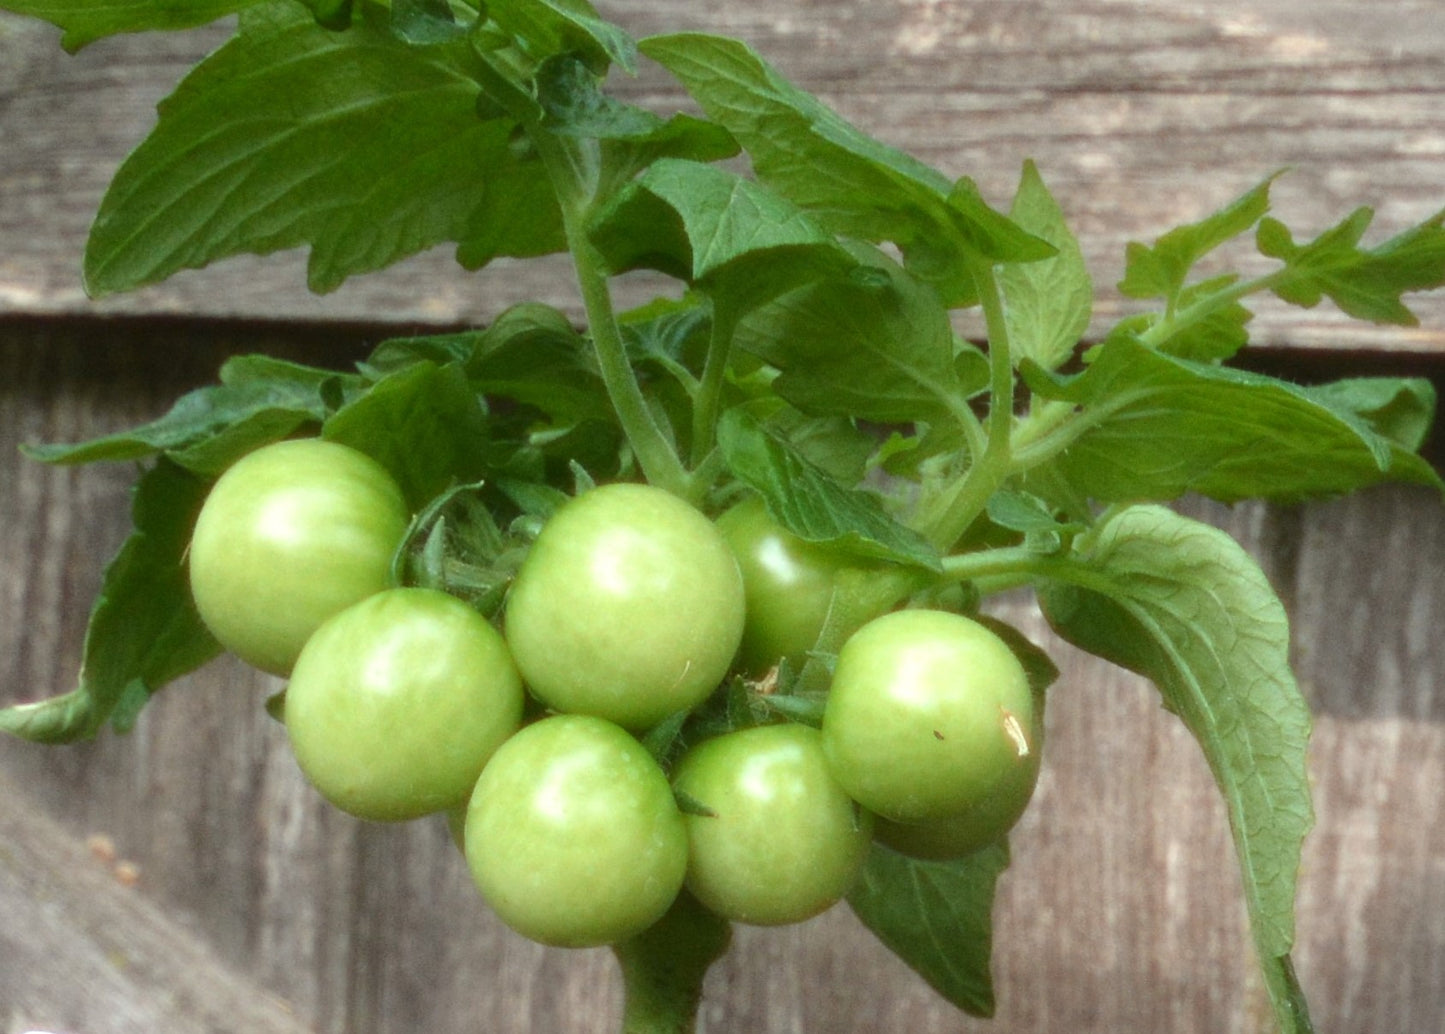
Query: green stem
x: 574, y: 177
x: 947, y: 516
x: 1175, y: 321
x: 663, y: 968
x: 1054, y: 425
x: 709, y: 395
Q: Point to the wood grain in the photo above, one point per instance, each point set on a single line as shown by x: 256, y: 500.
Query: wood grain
x: 1141, y: 114
x: 82, y: 951
x: 1121, y: 913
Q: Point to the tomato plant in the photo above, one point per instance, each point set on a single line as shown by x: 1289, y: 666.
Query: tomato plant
x: 572, y: 834
x: 290, y: 535
x: 566, y: 470
x: 629, y: 606
x: 773, y: 838
x: 397, y: 702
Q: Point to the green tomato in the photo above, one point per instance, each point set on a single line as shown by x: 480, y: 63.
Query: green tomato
x: 789, y: 585
x: 573, y: 836
x: 781, y: 841
x: 980, y: 825
x: 929, y: 714
x: 396, y: 703
x: 629, y: 607
x: 798, y: 593
x: 290, y: 535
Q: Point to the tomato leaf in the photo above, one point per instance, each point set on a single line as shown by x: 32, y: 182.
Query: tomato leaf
x: 543, y: 28
x: 425, y: 22
x: 1366, y: 283
x: 937, y: 917
x: 1160, y: 270
x: 876, y: 344
x: 1157, y: 427
x: 1047, y: 304
x: 258, y: 400
x: 366, y: 149
x: 812, y: 504
x: 424, y: 424
x: 144, y: 630
x: 855, y: 185
x: 739, y: 242
x: 1183, y: 604
x: 574, y: 104
x: 86, y: 21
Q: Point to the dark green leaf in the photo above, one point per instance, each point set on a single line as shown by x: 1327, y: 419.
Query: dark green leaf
x: 853, y: 184
x: 1160, y: 271
x: 424, y: 423
x: 1366, y: 283
x: 425, y: 22
x: 144, y: 630
x: 1048, y: 303
x: 545, y: 28
x: 738, y: 241
x: 813, y: 505
x: 259, y: 400
x: 937, y: 917
x: 85, y: 21
x: 362, y: 147
x: 1157, y: 427
x: 876, y: 345
x: 1185, y: 605
x: 574, y: 104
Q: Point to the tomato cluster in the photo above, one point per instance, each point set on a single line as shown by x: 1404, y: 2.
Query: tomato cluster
x: 629, y: 612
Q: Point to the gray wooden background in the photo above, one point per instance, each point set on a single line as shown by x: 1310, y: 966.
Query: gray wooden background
x: 182, y: 878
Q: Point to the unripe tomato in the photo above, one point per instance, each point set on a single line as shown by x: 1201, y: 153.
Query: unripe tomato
x: 929, y: 713
x: 976, y: 827
x: 782, y: 842
x: 573, y: 835
x: 629, y: 607
x: 789, y: 585
x: 290, y: 535
x: 396, y: 703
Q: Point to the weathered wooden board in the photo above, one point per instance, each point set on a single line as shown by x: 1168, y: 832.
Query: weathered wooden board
x: 81, y: 951
x: 1141, y: 113
x: 1121, y: 912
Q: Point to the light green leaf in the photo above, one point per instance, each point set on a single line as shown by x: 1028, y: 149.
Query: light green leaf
x: 1047, y: 304
x: 1183, y: 604
x: 1161, y: 270
x: 1366, y: 283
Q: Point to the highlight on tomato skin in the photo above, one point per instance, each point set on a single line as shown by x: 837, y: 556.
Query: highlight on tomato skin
x: 982, y: 824
x: 629, y: 607
x: 789, y: 585
x: 929, y: 713
x: 778, y: 841
x: 289, y: 535
x: 572, y: 834
x: 396, y: 704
